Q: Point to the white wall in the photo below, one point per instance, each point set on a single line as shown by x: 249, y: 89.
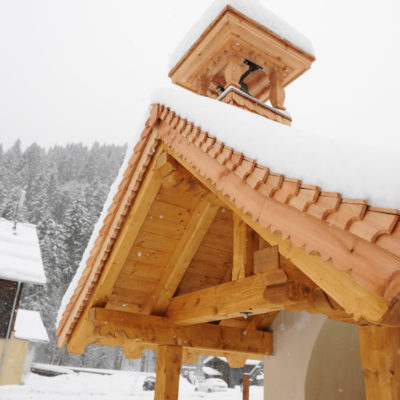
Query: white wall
x: 285, y: 372
x: 314, y: 358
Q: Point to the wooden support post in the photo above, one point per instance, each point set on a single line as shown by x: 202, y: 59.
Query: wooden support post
x: 380, y: 357
x: 244, y: 245
x: 246, y: 386
x: 277, y: 94
x: 266, y: 259
x: 233, y: 71
x: 169, y: 359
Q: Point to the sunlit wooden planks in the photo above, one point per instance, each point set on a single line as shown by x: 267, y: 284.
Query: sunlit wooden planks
x: 213, y: 259
x: 178, y: 263
x: 380, y: 357
x: 158, y: 169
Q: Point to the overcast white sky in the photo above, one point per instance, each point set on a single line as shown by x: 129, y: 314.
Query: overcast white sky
x: 80, y: 70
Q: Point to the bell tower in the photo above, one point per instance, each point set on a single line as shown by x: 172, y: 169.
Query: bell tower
x: 242, y: 62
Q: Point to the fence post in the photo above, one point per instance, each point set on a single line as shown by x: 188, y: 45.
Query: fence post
x: 246, y: 386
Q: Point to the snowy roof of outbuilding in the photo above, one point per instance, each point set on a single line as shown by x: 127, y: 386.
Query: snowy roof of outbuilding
x: 248, y: 362
x: 252, y: 9
x: 20, y: 258
x: 211, y: 371
x: 265, y: 160
x: 29, y: 326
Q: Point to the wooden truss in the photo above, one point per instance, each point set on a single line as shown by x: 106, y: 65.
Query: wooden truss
x: 191, y: 274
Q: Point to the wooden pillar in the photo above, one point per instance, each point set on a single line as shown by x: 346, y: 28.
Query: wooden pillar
x: 380, y: 357
x: 246, y: 386
x: 244, y: 246
x: 169, y: 359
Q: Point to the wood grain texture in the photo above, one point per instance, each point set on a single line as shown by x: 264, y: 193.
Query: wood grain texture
x: 119, y: 328
x: 380, y: 358
x: 169, y: 359
x: 178, y: 263
x: 227, y: 300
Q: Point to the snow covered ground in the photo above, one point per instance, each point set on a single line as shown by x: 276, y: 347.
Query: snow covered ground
x: 121, y: 385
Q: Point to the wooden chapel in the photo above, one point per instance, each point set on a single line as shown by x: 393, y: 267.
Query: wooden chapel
x: 202, y: 245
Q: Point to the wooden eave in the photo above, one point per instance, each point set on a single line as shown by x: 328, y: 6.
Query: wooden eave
x: 348, y: 248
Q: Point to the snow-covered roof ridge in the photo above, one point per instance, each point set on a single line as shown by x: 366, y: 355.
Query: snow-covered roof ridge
x: 356, y: 170
x: 20, y: 257
x: 252, y: 9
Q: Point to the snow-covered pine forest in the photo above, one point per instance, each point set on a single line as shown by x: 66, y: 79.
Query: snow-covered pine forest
x: 65, y: 188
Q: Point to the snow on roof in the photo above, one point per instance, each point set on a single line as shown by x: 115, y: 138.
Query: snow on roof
x: 20, y: 258
x: 252, y: 9
x: 211, y: 371
x: 354, y: 168
x: 209, y: 358
x: 29, y: 326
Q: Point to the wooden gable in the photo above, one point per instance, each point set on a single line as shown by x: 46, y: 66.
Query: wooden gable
x: 182, y: 238
x: 201, y: 248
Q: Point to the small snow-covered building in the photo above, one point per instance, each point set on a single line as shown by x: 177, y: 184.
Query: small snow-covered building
x: 228, y: 233
x: 233, y: 376
x: 20, y: 262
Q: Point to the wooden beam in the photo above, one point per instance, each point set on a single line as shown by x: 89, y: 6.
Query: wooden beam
x: 87, y: 335
x: 266, y: 259
x: 236, y: 361
x: 380, y: 357
x: 287, y: 294
x: 190, y: 356
x: 161, y: 166
x: 169, y: 359
x: 133, y: 350
x: 296, y: 296
x: 119, y: 328
x: 354, y: 298
x: 244, y: 245
x: 180, y: 259
x: 225, y: 301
